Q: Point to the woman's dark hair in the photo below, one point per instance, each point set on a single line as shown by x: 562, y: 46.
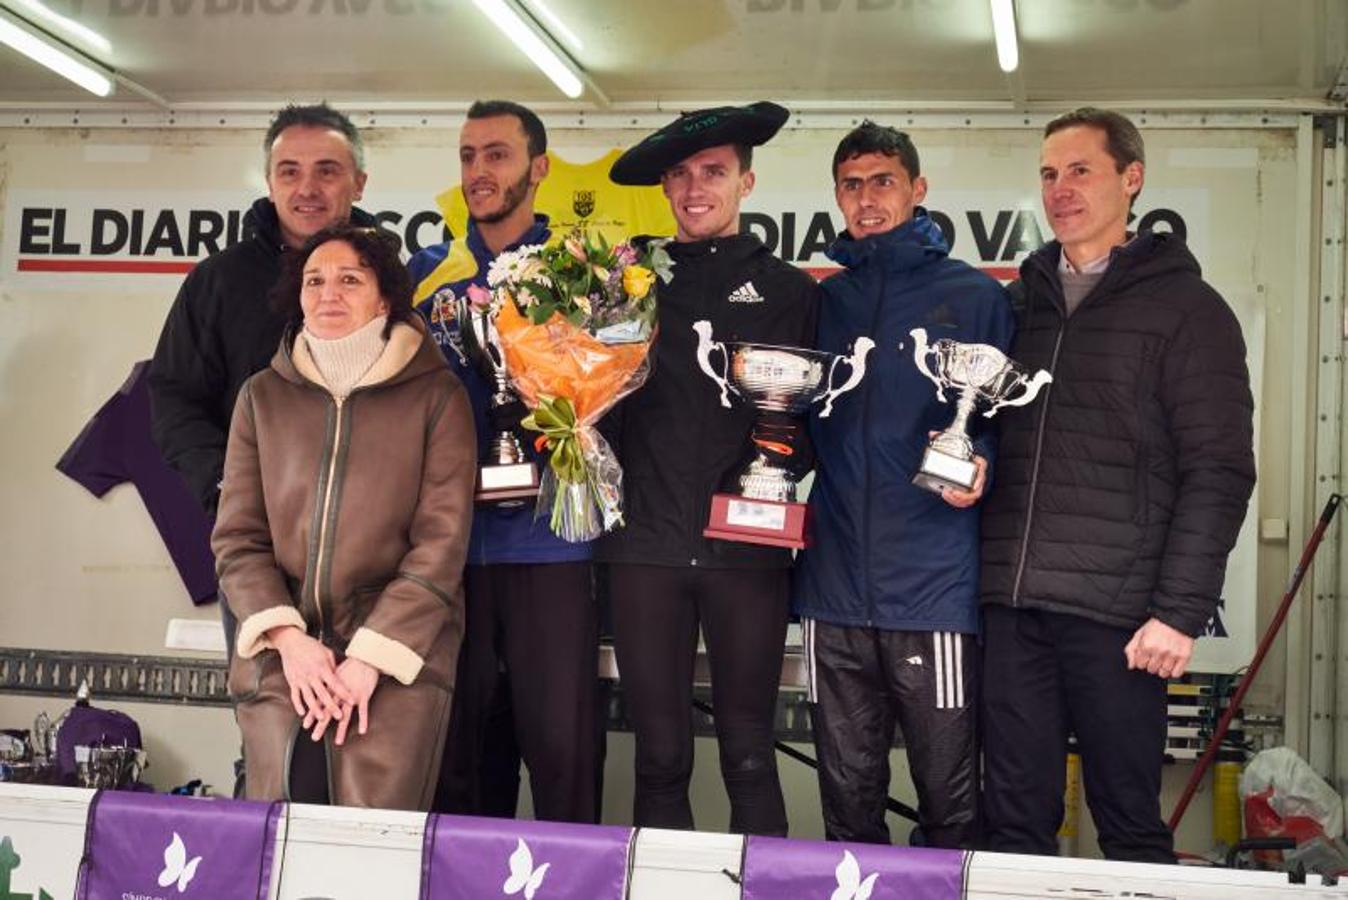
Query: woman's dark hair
x: 376, y: 248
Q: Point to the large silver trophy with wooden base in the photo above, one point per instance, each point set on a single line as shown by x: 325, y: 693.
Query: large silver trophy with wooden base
x: 505, y: 477
x: 778, y: 380
x: 977, y: 373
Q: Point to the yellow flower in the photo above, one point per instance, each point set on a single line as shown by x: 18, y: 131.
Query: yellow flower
x: 637, y: 281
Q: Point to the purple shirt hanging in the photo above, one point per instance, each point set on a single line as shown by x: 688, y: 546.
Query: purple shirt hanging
x: 158, y: 846
x: 114, y: 447
x: 778, y: 869
x: 467, y: 858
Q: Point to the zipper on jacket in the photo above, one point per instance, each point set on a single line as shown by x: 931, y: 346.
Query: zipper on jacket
x: 695, y: 529
x: 1034, y: 471
x: 866, y: 456
x: 324, y: 515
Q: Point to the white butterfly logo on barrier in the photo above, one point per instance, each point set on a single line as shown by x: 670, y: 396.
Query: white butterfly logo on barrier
x: 177, y: 867
x: 523, y: 875
x: 850, y: 885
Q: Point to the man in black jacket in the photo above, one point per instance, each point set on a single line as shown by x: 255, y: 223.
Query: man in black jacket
x: 677, y: 444
x: 1119, y: 494
x: 221, y: 327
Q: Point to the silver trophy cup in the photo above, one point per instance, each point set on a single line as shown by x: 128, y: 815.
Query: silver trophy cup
x: 976, y: 373
x: 506, y: 476
x: 777, y: 379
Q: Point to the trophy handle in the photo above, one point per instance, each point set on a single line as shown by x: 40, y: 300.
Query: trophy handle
x: 921, y: 349
x: 705, y: 347
x: 1031, y: 390
x: 453, y: 336
x: 857, y: 362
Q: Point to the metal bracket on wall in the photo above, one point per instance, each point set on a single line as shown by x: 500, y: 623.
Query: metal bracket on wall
x: 1328, y: 126
x: 114, y: 676
x: 201, y: 682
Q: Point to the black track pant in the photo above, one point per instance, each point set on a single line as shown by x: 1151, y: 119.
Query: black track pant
x: 742, y: 613
x: 531, y: 630
x: 863, y: 681
x: 1045, y: 674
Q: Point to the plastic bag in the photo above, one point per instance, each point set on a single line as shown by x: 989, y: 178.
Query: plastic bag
x: 1284, y: 797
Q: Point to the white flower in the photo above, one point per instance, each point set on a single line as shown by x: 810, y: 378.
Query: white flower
x: 510, y: 265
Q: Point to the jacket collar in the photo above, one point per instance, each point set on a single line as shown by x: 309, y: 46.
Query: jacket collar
x: 266, y: 225
x: 398, y: 361
x: 917, y: 241
x: 1148, y: 255
x: 537, y: 233
x: 733, y: 247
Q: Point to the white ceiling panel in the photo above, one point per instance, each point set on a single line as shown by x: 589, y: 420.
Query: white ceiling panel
x: 661, y: 51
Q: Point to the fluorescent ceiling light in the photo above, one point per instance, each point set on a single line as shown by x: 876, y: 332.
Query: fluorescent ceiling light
x: 561, y: 72
x: 40, y: 49
x: 1004, y: 28
x: 556, y: 25
x: 85, y: 35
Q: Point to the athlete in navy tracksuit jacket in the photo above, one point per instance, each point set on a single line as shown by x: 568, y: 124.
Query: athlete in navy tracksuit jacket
x: 888, y: 589
x: 530, y: 611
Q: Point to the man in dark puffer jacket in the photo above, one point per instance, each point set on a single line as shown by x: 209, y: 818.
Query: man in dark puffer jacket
x: 1119, y: 494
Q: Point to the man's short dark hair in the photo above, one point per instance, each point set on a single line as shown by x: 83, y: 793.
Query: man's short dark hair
x: 1123, y: 142
x: 745, y: 152
x: 376, y: 248
x: 870, y: 137
x: 318, y: 115
x: 534, y: 132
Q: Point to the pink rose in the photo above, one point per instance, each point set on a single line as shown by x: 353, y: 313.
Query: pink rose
x: 479, y: 297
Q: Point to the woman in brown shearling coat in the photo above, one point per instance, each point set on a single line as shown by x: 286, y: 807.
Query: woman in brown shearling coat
x: 340, y: 539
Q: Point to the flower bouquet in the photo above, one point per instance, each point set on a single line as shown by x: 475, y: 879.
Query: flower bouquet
x: 576, y: 320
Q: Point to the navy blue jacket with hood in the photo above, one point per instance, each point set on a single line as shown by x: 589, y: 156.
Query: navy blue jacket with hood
x: 499, y: 536
x: 886, y: 553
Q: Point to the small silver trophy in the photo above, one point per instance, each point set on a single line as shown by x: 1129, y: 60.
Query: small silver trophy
x: 976, y: 372
x: 109, y: 766
x: 772, y: 379
x: 506, y: 477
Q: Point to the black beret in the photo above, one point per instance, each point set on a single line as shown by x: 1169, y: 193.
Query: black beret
x: 694, y: 132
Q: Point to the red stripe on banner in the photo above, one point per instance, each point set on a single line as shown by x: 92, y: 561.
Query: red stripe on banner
x: 182, y: 267
x: 109, y: 266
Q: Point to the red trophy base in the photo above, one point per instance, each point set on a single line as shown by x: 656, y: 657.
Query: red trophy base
x: 749, y: 521
x: 506, y: 485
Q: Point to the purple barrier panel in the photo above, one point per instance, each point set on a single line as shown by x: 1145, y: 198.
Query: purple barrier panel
x: 468, y: 858
x: 157, y: 847
x: 778, y: 869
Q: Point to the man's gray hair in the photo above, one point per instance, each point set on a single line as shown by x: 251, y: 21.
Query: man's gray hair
x: 318, y: 115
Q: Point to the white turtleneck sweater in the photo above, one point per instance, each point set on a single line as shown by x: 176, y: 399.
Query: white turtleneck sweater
x: 344, y: 361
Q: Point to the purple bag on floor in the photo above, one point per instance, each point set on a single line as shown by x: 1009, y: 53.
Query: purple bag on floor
x: 86, y: 726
